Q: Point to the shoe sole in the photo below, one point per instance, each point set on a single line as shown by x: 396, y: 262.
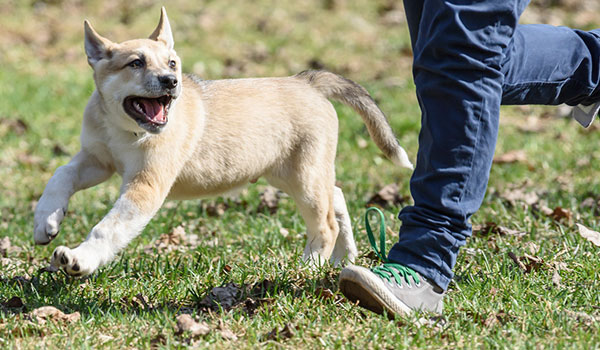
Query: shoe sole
x: 360, y: 284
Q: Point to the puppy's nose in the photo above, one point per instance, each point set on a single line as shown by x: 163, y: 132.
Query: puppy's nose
x: 168, y: 81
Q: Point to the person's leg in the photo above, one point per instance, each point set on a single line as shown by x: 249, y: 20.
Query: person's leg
x: 458, y: 49
x: 458, y: 55
x: 552, y: 65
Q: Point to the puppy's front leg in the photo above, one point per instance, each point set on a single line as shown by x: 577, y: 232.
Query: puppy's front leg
x: 83, y: 171
x: 140, y: 199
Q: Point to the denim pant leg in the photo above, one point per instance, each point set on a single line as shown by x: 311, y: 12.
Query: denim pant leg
x: 458, y: 49
x: 552, y: 65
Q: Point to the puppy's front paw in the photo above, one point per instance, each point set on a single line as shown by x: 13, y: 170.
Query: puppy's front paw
x: 72, y: 261
x: 47, y: 224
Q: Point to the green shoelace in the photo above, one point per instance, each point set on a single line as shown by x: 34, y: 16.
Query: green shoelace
x: 388, y: 269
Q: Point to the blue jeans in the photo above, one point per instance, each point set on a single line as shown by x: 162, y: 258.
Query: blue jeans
x: 470, y: 57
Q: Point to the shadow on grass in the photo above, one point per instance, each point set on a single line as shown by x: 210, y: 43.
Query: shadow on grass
x: 93, y: 296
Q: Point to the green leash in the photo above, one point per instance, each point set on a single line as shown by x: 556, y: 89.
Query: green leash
x: 381, y: 252
x: 388, y: 269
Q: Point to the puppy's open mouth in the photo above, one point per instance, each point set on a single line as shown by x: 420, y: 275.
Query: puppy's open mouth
x: 150, y: 113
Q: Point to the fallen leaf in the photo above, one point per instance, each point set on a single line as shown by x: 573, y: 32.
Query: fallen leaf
x: 215, y: 208
x: 50, y: 313
x: 493, y: 228
x: 533, y: 124
x: 517, y: 261
x: 514, y: 156
x: 29, y: 159
x: 59, y: 150
x: 589, y: 202
x: 583, y: 317
x: 527, y: 263
x: 287, y: 332
x: 261, y: 288
x: 388, y: 196
x: 4, y: 245
x: 590, y: 235
x: 556, y: 279
x: 559, y: 214
x: 269, y: 200
x: 226, y: 333
x: 17, y: 126
x: 14, y: 302
x: 284, y: 232
x: 531, y: 247
x: 532, y: 263
x: 157, y: 341
x: 520, y: 195
x: 224, y: 297
x: 174, y: 240
x: 251, y: 305
x: 324, y: 293
x: 140, y: 301
x: 185, y: 323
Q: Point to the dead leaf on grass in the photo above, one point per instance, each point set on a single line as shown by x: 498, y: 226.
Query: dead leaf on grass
x: 215, y: 208
x: 185, y: 323
x: 27, y: 158
x: 514, y: 156
x: 225, y: 297
x: 324, y: 293
x: 493, y: 228
x: 251, y: 305
x: 59, y: 150
x: 157, y: 341
x: 500, y: 317
x: 527, y: 263
x: 226, y: 333
x: 14, y: 302
x: 517, y: 261
x: 589, y: 203
x: 556, y: 279
x: 269, y: 200
x: 50, y: 313
x: 533, y: 124
x: 4, y: 246
x: 287, y: 332
x: 141, y: 301
x: 583, y: 317
x: 561, y: 214
x: 590, y: 235
x: 531, y: 247
x: 17, y: 126
x: 175, y: 240
x: 520, y: 195
x: 388, y: 196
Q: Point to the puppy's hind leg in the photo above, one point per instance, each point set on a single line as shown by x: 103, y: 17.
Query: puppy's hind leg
x: 315, y: 203
x: 345, y: 251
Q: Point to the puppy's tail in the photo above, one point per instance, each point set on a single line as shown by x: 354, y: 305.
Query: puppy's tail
x: 350, y: 93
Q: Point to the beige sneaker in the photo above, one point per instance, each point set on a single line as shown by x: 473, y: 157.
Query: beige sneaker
x: 394, y: 288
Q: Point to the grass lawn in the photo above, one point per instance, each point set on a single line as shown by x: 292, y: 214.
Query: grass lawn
x: 543, y: 184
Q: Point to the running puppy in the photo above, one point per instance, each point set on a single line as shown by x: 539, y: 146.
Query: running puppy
x: 175, y: 136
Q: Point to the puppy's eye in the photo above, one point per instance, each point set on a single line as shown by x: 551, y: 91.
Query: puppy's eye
x: 172, y: 64
x: 136, y: 64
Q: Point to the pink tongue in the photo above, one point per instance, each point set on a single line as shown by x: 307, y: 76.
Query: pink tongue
x: 154, y: 110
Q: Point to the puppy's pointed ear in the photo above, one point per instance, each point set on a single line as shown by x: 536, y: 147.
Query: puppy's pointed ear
x: 96, y: 47
x: 163, y: 30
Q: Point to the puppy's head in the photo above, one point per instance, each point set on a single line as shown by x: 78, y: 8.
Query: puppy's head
x: 138, y: 80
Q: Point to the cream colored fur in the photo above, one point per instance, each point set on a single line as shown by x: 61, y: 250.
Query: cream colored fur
x: 220, y: 135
